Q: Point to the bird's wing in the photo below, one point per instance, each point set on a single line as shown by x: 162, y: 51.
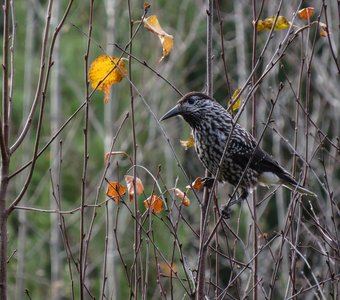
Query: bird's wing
x: 261, y: 161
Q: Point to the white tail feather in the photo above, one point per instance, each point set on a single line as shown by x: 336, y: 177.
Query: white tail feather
x: 269, y: 178
x: 299, y: 189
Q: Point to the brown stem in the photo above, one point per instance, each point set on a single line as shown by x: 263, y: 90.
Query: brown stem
x: 206, y: 194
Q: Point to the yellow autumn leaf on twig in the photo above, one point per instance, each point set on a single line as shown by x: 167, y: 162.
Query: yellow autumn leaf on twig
x: 267, y: 24
x: 234, y: 106
x: 189, y: 143
x: 106, y: 71
x: 152, y: 24
x: 167, y: 269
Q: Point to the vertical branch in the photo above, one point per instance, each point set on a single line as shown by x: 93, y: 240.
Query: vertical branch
x: 253, y: 131
x: 5, y: 157
x: 206, y: 195
x: 137, y: 229
x: 5, y: 78
x: 81, y: 259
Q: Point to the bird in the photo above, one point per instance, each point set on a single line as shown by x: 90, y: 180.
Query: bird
x: 245, y: 164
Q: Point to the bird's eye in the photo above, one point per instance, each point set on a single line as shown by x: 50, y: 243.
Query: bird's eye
x: 191, y: 101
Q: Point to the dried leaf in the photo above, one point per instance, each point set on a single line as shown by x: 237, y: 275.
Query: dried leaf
x: 152, y: 24
x: 263, y: 236
x: 167, y: 269
x: 104, y: 73
x: 182, y: 196
x: 146, y: 5
x: 323, y: 29
x: 156, y: 204
x: 198, y: 184
x: 115, y: 190
x: 237, y: 104
x: 129, y: 184
x: 306, y: 13
x: 267, y: 23
x: 109, y: 154
x: 189, y: 143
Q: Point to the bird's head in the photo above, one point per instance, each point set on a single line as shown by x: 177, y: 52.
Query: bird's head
x: 193, y: 107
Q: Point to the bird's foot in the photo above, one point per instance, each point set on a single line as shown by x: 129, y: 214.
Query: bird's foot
x: 208, y: 182
x: 226, y: 211
x: 226, y: 208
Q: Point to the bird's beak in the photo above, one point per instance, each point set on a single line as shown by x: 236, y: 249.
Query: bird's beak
x: 172, y: 112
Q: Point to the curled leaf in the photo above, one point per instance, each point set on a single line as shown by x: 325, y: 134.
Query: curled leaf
x: 152, y: 24
x: 130, y: 186
x: 104, y: 73
x: 189, y: 143
x: 237, y: 104
x: 306, y: 13
x: 109, y: 154
x: 146, y: 5
x: 323, y: 29
x: 197, y: 184
x: 156, y: 204
x: 267, y: 24
x: 115, y: 190
x: 182, y: 196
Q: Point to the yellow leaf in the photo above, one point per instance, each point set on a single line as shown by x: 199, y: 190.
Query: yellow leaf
x: 237, y: 104
x: 189, y: 143
x: 104, y: 73
x: 156, y: 204
x: 115, y: 190
x: 267, y: 24
x: 167, y: 269
x: 129, y: 184
x: 152, y: 24
x: 183, y: 197
x: 323, y: 29
x: 306, y: 13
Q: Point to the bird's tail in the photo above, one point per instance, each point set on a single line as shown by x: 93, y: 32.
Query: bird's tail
x: 300, y: 189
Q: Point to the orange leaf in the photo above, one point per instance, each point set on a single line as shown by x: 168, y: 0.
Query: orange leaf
x: 197, y: 184
x: 152, y: 24
x: 237, y: 104
x: 323, y: 29
x: 189, y: 143
x: 306, y: 13
x: 156, y: 204
x: 129, y: 184
x: 146, y: 5
x: 183, y: 197
x: 104, y: 73
x: 267, y: 24
x: 115, y: 190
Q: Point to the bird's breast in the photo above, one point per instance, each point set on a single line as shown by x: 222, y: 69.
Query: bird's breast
x: 209, y: 148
